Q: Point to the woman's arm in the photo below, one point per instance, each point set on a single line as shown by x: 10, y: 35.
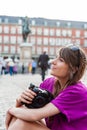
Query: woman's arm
x: 26, y: 97
x: 34, y: 114
x: 8, y: 119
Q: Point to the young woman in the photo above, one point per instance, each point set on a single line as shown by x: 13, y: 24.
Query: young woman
x: 68, y: 109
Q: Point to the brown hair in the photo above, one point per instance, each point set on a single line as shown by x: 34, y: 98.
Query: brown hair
x: 75, y: 57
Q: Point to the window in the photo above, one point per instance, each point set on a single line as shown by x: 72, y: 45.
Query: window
x: 6, y: 29
x: 6, y: 20
x: 13, y: 30
x: 33, y: 50
x: 19, y: 21
x: 85, y: 34
x: 39, y: 50
x: 69, y: 33
x: 58, y: 24
x: 78, y: 41
x: 52, y: 33
x: 0, y: 39
x: 69, y: 24
x: 33, y: 22
x: 85, y: 26
x: 0, y: 20
x: 13, y: 39
x: 6, y: 49
x: 0, y: 48
x: 19, y: 39
x: 19, y: 30
x: 0, y: 29
x: 12, y: 49
x: 45, y: 23
x: 64, y: 41
x: 58, y: 32
x: 85, y: 43
x: 69, y: 41
x: 52, y: 51
x: 64, y: 33
x: 33, y: 31
x: 39, y: 31
x: 45, y: 41
x: 52, y: 41
x: 58, y: 41
x: 77, y: 33
x: 6, y: 39
x: 33, y: 40
x: 46, y: 32
x: 18, y: 50
x: 39, y: 41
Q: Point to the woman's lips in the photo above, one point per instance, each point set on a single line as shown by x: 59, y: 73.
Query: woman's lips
x: 53, y: 67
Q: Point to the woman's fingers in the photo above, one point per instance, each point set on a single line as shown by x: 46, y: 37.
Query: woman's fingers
x: 30, y: 93
x: 27, y: 96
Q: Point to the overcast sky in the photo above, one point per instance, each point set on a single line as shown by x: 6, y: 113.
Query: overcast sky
x: 52, y: 9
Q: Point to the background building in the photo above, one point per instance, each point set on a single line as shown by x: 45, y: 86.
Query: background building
x: 46, y: 34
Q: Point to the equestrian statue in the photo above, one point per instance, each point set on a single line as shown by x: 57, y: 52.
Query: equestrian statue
x: 25, y: 29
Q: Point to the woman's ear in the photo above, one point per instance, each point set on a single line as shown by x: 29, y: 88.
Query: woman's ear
x: 74, y: 70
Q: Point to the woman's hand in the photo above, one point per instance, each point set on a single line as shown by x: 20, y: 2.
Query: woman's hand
x: 27, y: 96
x: 8, y: 119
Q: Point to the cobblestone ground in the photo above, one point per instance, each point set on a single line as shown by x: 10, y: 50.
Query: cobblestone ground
x: 12, y: 86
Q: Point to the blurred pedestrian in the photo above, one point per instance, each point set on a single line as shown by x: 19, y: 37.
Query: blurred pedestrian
x: 0, y: 68
x: 15, y: 69
x: 30, y: 67
x: 43, y: 63
x: 11, y: 65
x: 34, y: 65
x: 3, y: 66
x: 23, y: 68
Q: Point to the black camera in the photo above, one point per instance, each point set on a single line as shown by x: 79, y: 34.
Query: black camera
x: 43, y: 97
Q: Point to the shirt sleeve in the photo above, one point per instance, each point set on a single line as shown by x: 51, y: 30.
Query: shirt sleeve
x: 69, y: 102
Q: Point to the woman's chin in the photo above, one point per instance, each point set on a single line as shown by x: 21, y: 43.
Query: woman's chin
x: 51, y: 73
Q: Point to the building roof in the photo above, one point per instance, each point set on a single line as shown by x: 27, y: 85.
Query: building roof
x: 45, y: 22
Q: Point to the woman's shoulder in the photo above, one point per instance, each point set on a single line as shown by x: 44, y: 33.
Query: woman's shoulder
x: 77, y: 88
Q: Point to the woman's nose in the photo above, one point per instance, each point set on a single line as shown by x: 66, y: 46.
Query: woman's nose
x: 54, y: 61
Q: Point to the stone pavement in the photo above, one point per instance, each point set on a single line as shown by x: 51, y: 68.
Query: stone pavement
x: 12, y: 86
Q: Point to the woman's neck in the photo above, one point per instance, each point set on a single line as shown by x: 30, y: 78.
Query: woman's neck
x: 63, y: 82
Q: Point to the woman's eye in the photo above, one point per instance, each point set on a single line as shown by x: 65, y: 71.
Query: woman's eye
x: 61, y: 59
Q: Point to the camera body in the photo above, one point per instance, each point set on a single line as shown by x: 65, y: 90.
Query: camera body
x: 43, y: 97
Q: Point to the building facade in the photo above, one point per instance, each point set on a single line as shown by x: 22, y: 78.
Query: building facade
x: 46, y: 34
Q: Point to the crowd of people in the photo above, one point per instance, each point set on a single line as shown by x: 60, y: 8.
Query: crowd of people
x: 8, y: 66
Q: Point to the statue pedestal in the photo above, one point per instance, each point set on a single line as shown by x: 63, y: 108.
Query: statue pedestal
x: 25, y: 52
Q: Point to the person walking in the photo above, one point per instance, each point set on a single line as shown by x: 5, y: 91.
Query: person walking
x: 68, y: 109
x: 34, y: 66
x: 43, y: 64
x: 23, y: 68
x: 30, y: 67
x: 0, y: 67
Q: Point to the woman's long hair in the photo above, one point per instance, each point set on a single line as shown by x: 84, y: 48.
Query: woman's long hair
x: 76, y: 59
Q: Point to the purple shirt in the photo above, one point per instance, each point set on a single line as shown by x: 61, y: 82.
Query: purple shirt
x: 72, y: 103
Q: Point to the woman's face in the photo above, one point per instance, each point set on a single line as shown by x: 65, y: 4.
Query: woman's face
x: 59, y: 68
